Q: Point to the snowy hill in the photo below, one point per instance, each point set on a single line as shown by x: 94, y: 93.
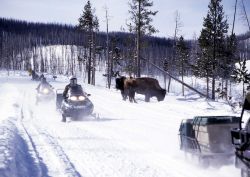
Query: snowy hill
x: 128, y: 140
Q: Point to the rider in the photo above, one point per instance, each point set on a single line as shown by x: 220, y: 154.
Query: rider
x: 72, y: 84
x: 43, y: 83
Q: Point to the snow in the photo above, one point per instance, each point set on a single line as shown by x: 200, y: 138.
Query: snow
x: 127, y: 140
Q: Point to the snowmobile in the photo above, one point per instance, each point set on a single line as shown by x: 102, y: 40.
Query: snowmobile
x: 77, y: 105
x: 241, y: 141
x: 44, y: 93
x: 208, y: 138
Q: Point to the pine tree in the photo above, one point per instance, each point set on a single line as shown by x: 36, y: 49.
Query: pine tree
x: 88, y: 22
x: 212, y: 40
x: 227, y: 64
x: 141, y: 18
x: 241, y: 74
x: 202, y: 68
x: 182, y: 52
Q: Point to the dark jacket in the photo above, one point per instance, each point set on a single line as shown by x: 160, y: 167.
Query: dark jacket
x: 76, y: 87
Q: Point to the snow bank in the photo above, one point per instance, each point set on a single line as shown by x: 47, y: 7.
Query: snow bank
x: 128, y: 139
x: 15, y: 159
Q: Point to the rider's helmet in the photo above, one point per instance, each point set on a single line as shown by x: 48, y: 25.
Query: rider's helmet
x: 43, y: 79
x: 42, y: 76
x: 73, y: 81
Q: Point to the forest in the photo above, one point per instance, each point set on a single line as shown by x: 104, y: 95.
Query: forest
x: 135, y: 52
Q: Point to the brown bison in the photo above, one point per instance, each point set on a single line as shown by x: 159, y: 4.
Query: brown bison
x: 146, y: 86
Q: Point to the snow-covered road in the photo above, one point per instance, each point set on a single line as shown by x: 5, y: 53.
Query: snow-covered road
x: 128, y: 140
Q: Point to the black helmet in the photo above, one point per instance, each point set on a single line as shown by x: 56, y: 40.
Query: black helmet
x: 42, y: 76
x: 43, y: 79
x: 73, y: 80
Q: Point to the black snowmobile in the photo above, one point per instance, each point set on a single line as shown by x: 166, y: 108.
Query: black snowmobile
x: 77, y: 105
x: 44, y: 93
x: 241, y: 141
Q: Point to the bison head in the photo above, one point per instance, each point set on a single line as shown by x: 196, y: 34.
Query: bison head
x: 161, y: 95
x: 119, y: 83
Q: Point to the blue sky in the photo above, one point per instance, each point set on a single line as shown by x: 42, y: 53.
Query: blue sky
x: 191, y: 12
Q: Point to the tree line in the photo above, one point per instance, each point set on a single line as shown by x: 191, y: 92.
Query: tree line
x: 211, y: 55
x: 19, y: 38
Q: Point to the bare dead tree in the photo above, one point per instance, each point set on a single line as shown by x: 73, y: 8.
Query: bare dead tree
x: 178, y: 25
x: 235, y: 8
x: 107, y: 48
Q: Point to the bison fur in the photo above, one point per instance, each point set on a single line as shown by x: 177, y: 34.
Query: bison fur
x: 146, y: 86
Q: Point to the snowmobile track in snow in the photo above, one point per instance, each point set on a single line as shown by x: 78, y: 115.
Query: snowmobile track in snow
x: 46, y: 143
x: 40, y: 166
x: 59, y: 152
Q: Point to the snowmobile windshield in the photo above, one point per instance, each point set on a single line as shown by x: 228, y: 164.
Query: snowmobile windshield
x: 44, y: 88
x: 76, y: 91
x: 45, y: 85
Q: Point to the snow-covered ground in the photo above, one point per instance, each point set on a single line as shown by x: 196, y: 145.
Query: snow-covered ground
x: 128, y: 139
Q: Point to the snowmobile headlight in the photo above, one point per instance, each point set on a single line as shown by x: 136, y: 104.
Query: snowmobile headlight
x: 81, y: 98
x: 45, y: 91
x: 73, y: 98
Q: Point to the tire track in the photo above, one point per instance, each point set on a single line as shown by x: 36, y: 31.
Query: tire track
x: 45, y: 146
x: 58, y: 152
x: 42, y: 169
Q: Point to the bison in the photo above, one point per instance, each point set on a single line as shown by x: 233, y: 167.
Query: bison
x: 146, y: 86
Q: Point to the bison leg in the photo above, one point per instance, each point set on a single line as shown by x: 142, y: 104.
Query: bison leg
x: 132, y: 95
x: 147, y: 98
x: 124, y: 95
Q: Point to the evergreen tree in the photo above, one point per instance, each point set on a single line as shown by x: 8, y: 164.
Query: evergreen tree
x: 129, y: 53
x: 203, y: 67
x: 227, y: 64
x: 241, y: 74
x: 182, y: 63
x: 212, y: 41
x: 141, y: 18
x: 88, y: 22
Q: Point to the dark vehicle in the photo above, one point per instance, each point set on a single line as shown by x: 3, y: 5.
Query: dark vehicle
x: 241, y: 141
x: 77, y: 105
x: 208, y: 137
x: 44, y: 93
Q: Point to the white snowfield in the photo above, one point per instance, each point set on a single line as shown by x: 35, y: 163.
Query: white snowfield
x: 128, y: 139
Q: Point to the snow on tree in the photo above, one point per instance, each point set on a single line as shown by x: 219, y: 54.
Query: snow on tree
x: 212, y: 41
